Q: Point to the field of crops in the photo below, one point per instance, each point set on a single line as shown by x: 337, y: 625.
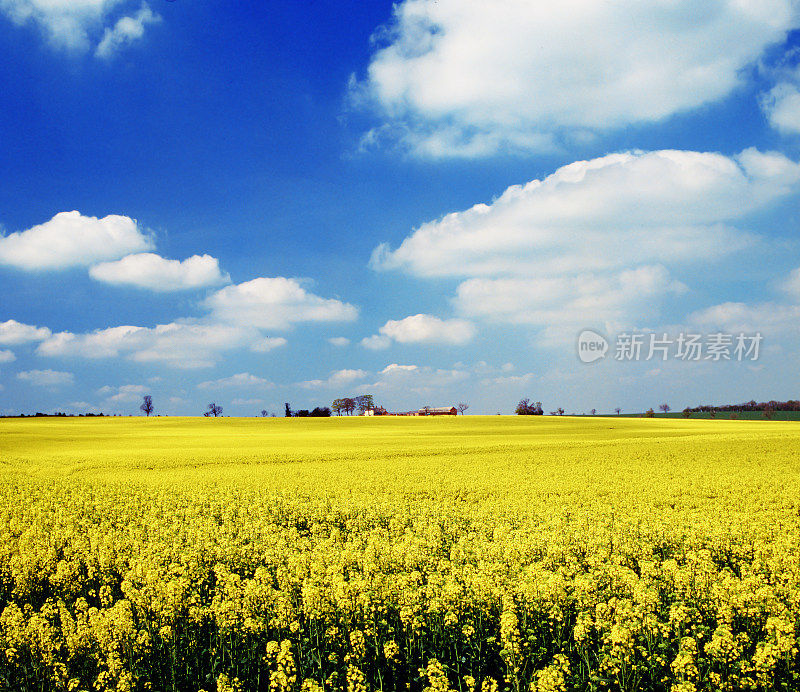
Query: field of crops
x: 470, y: 554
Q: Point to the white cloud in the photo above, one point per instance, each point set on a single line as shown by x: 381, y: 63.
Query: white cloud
x: 275, y: 303
x: 469, y: 78
x: 13, y: 333
x: 7, y: 356
x: 398, y: 380
x: 339, y: 341
x: 510, y: 381
x: 376, y: 342
x: 395, y: 367
x: 792, y: 283
x: 237, y: 314
x: 595, y: 241
x: 601, y: 214
x: 782, y: 108
x: 125, y: 31
x: 82, y: 407
x: 336, y: 379
x: 268, y: 343
x: 564, y: 306
x: 76, y: 24
x: 187, y: 344
x: 70, y: 239
x: 126, y: 392
x: 422, y: 329
x: 153, y: 272
x: 242, y: 379
x: 46, y: 378
x: 771, y: 319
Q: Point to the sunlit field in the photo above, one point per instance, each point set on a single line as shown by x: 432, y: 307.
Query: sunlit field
x: 470, y: 553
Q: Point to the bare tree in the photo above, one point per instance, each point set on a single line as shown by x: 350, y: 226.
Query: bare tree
x: 664, y: 407
x: 264, y: 413
x: 618, y: 410
x: 461, y: 406
x: 560, y: 411
x: 593, y: 411
x: 213, y: 410
x: 147, y: 405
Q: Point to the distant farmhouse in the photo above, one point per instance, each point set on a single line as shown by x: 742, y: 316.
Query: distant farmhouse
x: 426, y: 411
x: 438, y: 411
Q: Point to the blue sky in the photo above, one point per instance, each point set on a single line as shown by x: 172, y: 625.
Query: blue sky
x: 211, y: 202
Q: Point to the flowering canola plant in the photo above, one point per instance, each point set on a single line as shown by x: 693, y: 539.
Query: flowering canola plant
x: 469, y: 554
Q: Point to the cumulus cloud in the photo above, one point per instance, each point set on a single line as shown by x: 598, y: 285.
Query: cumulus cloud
x: 13, y: 333
x: 422, y: 329
x: 399, y: 379
x: 792, y: 284
x: 268, y: 344
x: 376, y: 342
x: 602, y: 214
x: 469, y: 78
x: 596, y: 241
x: 126, y: 392
x: 336, y: 379
x: 561, y: 307
x: 188, y: 344
x: 236, y: 316
x: 76, y: 24
x: 242, y: 379
x: 276, y: 303
x: 7, y: 356
x: 768, y: 318
x: 125, y: 31
x: 781, y: 105
x: 155, y: 273
x: 70, y: 239
x: 46, y: 378
x: 339, y: 341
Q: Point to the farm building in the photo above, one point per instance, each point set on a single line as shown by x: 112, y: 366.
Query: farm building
x: 438, y: 411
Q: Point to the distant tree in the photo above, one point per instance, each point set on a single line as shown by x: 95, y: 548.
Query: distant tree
x: 687, y: 412
x: 664, y: 407
x: 461, y: 406
x: 593, y: 411
x: 147, y: 405
x: 213, y: 410
x: 427, y: 409
x: 287, y: 410
x: 560, y: 411
x: 321, y: 412
x: 649, y: 413
x: 769, y: 413
x: 302, y: 413
x: 618, y: 410
x: 526, y: 408
x: 349, y: 405
x: 264, y: 413
x: 337, y: 406
x: 365, y: 402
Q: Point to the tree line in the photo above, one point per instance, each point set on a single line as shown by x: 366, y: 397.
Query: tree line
x: 347, y: 405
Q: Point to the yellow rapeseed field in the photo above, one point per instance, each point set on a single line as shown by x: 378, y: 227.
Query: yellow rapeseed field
x: 476, y: 554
